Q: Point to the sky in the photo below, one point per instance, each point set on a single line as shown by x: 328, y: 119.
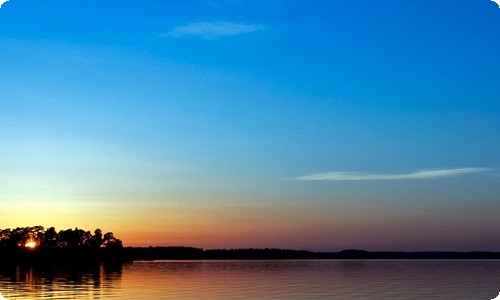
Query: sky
x: 317, y: 125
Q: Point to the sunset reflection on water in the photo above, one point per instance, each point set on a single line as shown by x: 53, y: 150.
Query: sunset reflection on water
x: 272, y: 279
x: 59, y: 282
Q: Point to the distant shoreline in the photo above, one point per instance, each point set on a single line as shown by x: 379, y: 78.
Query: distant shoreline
x: 172, y: 253
x: 37, y: 245
x: 131, y: 254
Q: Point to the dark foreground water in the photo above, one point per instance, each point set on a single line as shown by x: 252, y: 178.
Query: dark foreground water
x: 298, y: 279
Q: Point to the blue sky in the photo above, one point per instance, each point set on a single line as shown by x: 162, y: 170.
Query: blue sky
x: 301, y: 124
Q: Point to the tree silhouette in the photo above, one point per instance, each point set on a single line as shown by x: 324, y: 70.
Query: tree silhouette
x: 70, y: 244
x: 96, y: 240
x: 111, y: 242
x: 50, y: 239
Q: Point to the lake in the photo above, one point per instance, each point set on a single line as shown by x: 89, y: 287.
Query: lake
x: 264, y: 279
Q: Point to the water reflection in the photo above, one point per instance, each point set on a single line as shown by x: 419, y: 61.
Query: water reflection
x: 268, y: 279
x: 315, y: 279
x: 60, y: 282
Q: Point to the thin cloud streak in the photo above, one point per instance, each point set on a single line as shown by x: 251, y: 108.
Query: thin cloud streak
x: 426, y: 174
x: 213, y: 30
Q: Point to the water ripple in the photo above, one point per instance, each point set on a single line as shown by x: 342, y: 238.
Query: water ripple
x: 266, y: 279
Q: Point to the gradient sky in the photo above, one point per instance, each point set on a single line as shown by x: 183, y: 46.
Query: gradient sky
x: 319, y: 125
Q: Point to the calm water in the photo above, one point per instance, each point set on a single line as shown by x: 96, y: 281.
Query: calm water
x: 321, y: 279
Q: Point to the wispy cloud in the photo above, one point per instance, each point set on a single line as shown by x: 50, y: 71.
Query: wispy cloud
x: 213, y: 30
x: 426, y: 174
x: 2, y: 2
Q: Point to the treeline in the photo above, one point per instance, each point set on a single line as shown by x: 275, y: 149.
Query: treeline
x: 363, y: 254
x: 35, y: 244
x: 267, y: 253
x: 171, y: 253
x: 167, y: 253
x: 37, y: 236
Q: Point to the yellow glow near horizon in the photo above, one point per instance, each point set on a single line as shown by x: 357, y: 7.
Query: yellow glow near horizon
x: 30, y: 245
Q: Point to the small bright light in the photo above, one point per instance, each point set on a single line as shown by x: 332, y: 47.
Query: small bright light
x: 30, y: 244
